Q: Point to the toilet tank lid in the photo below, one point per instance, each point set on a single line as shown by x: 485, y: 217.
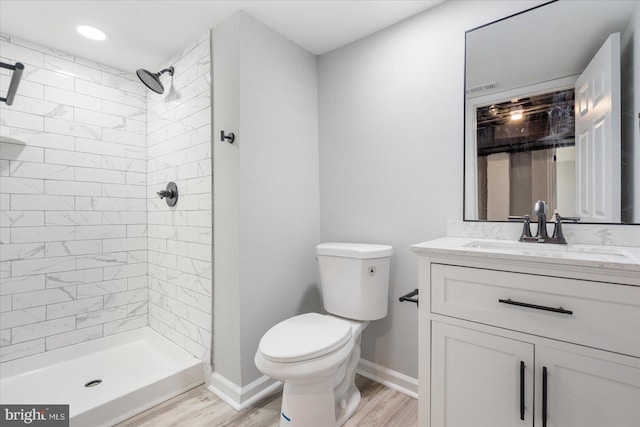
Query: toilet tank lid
x: 354, y: 250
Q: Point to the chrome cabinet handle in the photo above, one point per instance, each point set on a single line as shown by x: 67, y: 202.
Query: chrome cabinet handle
x: 535, y: 306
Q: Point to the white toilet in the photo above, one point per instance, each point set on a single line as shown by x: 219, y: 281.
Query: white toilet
x: 316, y: 355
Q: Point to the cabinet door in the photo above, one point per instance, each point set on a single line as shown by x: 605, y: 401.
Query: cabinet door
x: 586, y: 390
x: 479, y: 380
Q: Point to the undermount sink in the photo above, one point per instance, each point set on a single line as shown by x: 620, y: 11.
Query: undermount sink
x: 590, y: 252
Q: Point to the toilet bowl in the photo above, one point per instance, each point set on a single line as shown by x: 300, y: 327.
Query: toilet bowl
x: 316, y: 355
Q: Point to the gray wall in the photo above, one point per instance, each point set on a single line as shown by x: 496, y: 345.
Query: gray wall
x: 266, y: 201
x: 391, y: 150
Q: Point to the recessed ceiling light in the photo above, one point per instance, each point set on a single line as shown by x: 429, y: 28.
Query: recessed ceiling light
x: 91, y: 32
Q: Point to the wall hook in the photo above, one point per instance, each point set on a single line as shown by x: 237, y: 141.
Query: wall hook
x: 230, y: 137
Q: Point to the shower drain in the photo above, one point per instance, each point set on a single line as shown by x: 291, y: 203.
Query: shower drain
x: 93, y: 383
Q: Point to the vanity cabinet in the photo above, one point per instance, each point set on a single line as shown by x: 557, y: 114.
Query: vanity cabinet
x: 520, y: 342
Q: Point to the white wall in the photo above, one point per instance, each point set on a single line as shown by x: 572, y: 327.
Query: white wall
x: 179, y: 150
x: 266, y: 219
x: 391, y: 150
x: 73, y: 235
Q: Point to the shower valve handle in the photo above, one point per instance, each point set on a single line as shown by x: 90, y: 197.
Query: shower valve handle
x: 165, y: 193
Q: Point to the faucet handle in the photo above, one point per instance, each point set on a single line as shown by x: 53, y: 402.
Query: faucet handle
x: 558, y: 237
x: 526, y: 227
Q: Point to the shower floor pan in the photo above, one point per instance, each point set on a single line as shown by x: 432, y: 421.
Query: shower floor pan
x: 104, y: 381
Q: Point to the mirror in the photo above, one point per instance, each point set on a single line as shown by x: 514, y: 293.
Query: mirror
x: 552, y: 112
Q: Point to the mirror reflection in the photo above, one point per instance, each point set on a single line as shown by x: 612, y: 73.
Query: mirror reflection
x: 551, y: 113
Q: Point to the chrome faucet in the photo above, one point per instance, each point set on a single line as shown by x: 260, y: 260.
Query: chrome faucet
x: 540, y: 209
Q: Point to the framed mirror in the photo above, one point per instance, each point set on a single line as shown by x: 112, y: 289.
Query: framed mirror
x: 552, y: 112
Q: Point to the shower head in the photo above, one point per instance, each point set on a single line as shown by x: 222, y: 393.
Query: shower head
x: 152, y: 80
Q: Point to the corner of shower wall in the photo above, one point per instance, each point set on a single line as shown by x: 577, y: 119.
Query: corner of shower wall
x: 180, y: 237
x: 73, y: 210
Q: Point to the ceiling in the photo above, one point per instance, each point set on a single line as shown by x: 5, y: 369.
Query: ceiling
x: 146, y: 33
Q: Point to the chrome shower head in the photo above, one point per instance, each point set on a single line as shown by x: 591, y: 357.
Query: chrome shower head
x: 152, y: 80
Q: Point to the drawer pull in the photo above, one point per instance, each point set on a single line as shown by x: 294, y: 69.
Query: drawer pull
x: 544, y: 396
x: 537, y: 307
x: 522, y: 390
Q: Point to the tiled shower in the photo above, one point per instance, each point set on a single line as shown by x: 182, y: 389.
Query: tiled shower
x: 87, y: 248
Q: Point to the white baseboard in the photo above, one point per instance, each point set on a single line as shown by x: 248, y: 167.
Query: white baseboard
x: 241, y: 397
x: 389, y: 378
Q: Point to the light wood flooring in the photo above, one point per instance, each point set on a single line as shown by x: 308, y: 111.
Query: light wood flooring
x: 380, y: 407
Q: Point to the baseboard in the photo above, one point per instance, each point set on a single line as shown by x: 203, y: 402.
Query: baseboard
x: 389, y: 378
x: 241, y: 397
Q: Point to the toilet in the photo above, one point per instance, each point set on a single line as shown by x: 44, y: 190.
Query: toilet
x: 315, y: 355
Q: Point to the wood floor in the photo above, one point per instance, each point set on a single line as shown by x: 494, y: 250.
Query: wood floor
x: 380, y: 407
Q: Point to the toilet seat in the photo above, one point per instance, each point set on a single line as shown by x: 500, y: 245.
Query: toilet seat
x: 304, y: 337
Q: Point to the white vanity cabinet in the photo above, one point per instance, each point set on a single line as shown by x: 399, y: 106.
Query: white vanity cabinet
x: 515, y: 340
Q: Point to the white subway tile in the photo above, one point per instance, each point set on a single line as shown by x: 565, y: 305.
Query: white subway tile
x: 41, y: 234
x: 14, y: 318
x: 194, y: 299
x: 125, y: 271
x: 5, y: 336
x: 162, y: 315
x: 18, y: 53
x: 71, y: 308
x: 137, y: 282
x: 101, y: 260
x: 20, y: 152
x: 72, y: 188
x: 123, y: 137
x: 135, y: 126
x: 40, y: 170
x: 73, y: 218
x: 123, y: 110
x: 73, y: 337
x: 71, y: 98
x: 100, y: 204
x: 47, y: 203
x: 128, y: 84
x: 124, y: 217
x: 124, y: 190
x: 12, y: 285
x: 71, y: 68
x: 5, y: 303
x: 110, y: 93
x: 102, y: 288
x: 4, y: 167
x: 100, y: 175
x: 125, y: 324
x: 21, y: 218
x: 66, y: 127
x: 43, y: 297
x: 17, y: 351
x: 43, y: 265
x: 30, y: 89
x: 95, y: 118
x: 48, y: 78
x: 73, y: 278
x: 138, y: 308
x: 137, y: 231
x: 100, y: 231
x: 5, y: 269
x: 73, y: 247
x: 5, y: 236
x: 72, y: 158
x: 96, y: 317
x: 37, y: 107
x: 5, y: 202
x: 127, y: 297
x: 124, y: 164
x: 101, y: 147
x: 11, y: 252
x: 42, y: 329
x: 15, y: 185
x: 199, y: 219
x: 129, y: 244
x: 35, y: 138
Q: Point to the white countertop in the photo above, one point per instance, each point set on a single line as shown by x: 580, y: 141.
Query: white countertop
x: 599, y: 256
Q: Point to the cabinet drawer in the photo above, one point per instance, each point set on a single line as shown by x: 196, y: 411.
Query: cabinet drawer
x: 595, y: 314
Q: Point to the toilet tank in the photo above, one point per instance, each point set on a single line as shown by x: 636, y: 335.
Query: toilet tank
x: 354, y: 278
